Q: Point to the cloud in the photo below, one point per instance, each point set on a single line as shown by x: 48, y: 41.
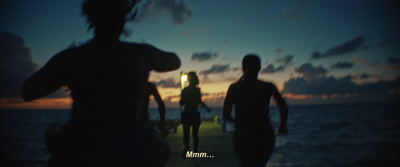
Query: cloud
x: 321, y: 85
x: 393, y: 60
x: 227, y: 41
x: 365, y: 76
x: 342, y: 65
x: 75, y: 44
x: 331, y: 85
x: 16, y: 64
x: 294, y: 12
x: 390, y: 65
x: 204, y: 56
x: 239, y: 25
x: 309, y: 72
x: 168, y: 83
x: 171, y: 101
x: 365, y: 47
x: 347, y: 47
x: 200, y: 31
x: 215, y: 69
x: 291, y: 14
x: 315, y: 55
x: 236, y: 68
x: 388, y: 41
x: 315, y: 83
x: 285, y: 60
x: 278, y: 50
x: 178, y: 10
x: 215, y: 99
x: 271, y: 69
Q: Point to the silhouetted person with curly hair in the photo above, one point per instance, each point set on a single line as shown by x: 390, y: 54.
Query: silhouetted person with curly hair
x: 190, y: 117
x: 253, y: 137
x: 107, y: 79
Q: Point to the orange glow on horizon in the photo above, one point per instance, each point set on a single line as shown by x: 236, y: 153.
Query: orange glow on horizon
x: 175, y: 99
x: 46, y: 103
x: 296, y: 96
x: 171, y: 97
x: 335, y: 95
x: 394, y: 91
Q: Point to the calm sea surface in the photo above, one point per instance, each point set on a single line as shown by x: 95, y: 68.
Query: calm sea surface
x: 322, y: 135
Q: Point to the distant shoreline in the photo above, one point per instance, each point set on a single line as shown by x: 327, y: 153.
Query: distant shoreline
x: 272, y: 105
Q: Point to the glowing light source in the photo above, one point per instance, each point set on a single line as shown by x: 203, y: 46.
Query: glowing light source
x: 184, y: 77
x: 183, y: 80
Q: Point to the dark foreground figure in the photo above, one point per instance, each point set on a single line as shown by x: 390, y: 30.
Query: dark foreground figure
x: 190, y: 117
x: 152, y: 91
x: 108, y: 81
x: 254, y: 137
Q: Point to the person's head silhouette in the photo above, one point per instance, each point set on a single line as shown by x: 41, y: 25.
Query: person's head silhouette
x: 251, y: 65
x: 108, y: 17
x: 192, y: 78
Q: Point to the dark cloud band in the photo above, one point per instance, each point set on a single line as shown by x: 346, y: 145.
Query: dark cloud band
x: 347, y: 47
x: 16, y: 64
x: 204, y: 56
x: 179, y: 12
x: 215, y: 69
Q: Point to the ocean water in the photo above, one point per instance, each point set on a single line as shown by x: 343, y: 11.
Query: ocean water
x: 319, y: 135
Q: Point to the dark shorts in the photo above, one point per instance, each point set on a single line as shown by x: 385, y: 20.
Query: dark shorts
x: 253, y: 149
x: 190, y: 118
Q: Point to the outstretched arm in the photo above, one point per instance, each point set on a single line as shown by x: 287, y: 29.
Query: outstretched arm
x: 161, y: 105
x: 283, y: 110
x: 163, y: 61
x: 161, y: 108
x: 228, y: 103
x: 42, y: 83
x: 205, y: 106
x: 201, y: 101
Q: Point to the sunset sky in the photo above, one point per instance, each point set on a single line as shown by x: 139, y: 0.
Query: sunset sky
x: 315, y: 52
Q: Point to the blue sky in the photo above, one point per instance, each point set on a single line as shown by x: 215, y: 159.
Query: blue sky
x: 349, y: 38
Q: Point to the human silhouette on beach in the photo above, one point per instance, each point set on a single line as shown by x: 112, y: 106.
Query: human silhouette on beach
x: 253, y: 137
x: 152, y: 91
x: 190, y: 117
x: 107, y: 79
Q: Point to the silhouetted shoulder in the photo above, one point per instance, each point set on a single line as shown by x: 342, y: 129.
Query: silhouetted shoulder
x: 60, y: 61
x: 98, y: 51
x: 191, y: 89
x: 234, y: 85
x: 190, y: 95
x: 240, y: 87
x: 48, y: 78
x: 234, y: 88
x: 188, y: 90
x: 67, y: 55
x: 267, y: 84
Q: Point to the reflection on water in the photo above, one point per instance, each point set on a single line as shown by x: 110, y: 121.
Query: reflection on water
x: 325, y: 135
